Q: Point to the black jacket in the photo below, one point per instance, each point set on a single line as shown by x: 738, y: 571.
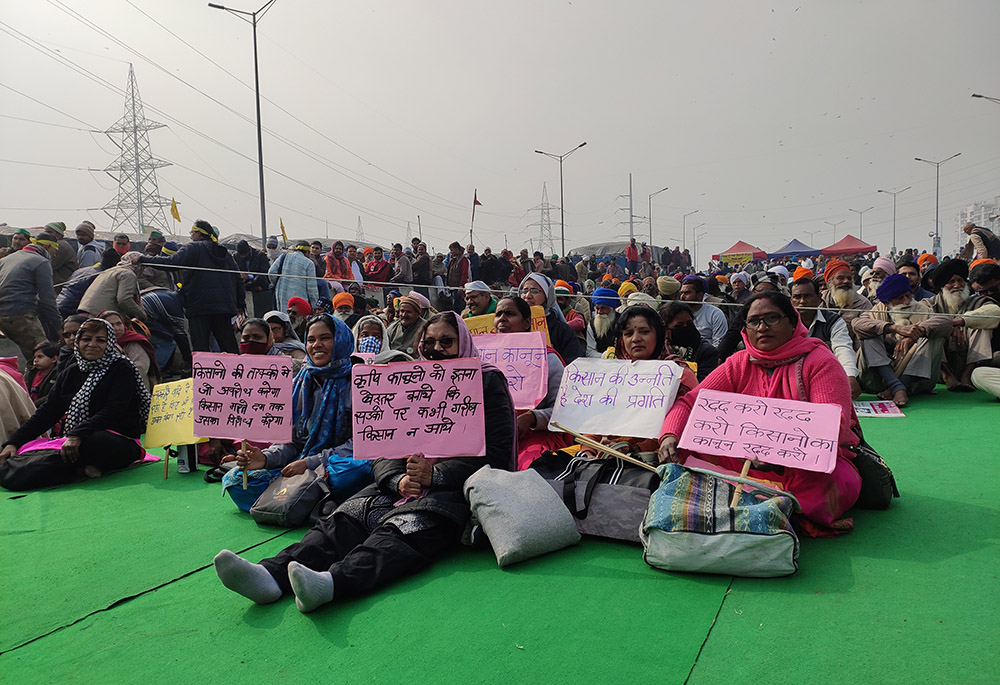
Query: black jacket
x: 447, y: 500
x: 114, y: 405
x: 206, y: 293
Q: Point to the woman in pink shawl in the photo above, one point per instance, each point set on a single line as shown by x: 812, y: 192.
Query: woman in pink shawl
x: 782, y: 361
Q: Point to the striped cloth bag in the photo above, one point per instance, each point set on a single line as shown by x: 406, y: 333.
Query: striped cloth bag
x: 689, y: 526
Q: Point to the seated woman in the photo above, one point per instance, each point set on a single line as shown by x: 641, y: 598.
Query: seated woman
x: 374, y: 538
x: 513, y: 315
x: 782, y: 361
x: 537, y: 290
x: 371, y: 337
x: 641, y: 336
x: 321, y: 418
x: 105, y: 402
x: 284, y: 339
x: 136, y: 347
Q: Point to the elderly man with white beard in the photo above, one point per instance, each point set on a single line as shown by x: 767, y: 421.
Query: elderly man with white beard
x: 840, y: 295
x: 902, y: 343
x: 881, y: 269
x: 600, y: 331
x: 971, y: 342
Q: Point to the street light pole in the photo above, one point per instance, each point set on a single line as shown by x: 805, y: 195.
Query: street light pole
x: 684, y: 229
x: 987, y: 97
x: 562, y: 203
x: 861, y: 220
x: 936, y: 249
x: 649, y: 214
x: 831, y: 223
x: 256, y: 86
x: 696, y: 238
x: 894, y: 194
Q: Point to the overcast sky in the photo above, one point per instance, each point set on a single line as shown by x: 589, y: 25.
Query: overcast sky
x: 770, y: 119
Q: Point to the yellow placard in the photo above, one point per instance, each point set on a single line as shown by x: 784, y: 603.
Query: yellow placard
x: 170, y: 415
x: 479, y: 325
x: 692, y: 365
x: 737, y: 258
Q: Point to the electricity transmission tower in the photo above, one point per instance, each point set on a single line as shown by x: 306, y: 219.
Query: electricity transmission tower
x: 544, y: 223
x: 359, y: 235
x: 138, y: 205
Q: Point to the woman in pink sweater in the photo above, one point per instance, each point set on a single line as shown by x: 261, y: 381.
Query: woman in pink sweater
x: 782, y: 361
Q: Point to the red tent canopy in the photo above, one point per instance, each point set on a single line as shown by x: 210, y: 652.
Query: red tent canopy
x: 848, y: 245
x: 740, y: 250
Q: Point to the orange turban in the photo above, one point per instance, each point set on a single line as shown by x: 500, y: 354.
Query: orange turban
x: 562, y: 284
x: 981, y: 261
x: 802, y: 272
x: 833, y: 266
x: 343, y: 299
x: 926, y: 257
x: 607, y: 277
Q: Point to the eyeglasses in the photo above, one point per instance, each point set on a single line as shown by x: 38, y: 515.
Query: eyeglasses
x: 768, y: 320
x: 531, y: 291
x: 431, y: 343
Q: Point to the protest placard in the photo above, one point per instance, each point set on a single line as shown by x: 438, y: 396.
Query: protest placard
x: 616, y: 396
x: 242, y: 397
x: 880, y: 408
x: 523, y: 359
x: 479, y: 325
x: 432, y: 407
x: 171, y: 421
x: 802, y: 435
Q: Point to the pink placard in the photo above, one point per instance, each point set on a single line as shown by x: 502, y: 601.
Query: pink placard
x: 800, y: 435
x: 242, y: 397
x: 523, y: 359
x: 432, y: 407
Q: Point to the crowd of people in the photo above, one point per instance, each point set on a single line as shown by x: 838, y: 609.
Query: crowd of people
x: 99, y: 326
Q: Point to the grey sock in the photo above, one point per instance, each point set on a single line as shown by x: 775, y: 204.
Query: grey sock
x: 312, y: 589
x: 248, y: 579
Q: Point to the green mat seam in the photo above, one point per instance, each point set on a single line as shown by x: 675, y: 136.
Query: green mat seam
x: 123, y: 600
x: 710, y: 628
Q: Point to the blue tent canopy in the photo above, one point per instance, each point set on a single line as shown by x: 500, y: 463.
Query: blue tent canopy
x: 794, y: 248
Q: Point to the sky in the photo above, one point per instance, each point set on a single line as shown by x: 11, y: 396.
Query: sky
x: 770, y: 120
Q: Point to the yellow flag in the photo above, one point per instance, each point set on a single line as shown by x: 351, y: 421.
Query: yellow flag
x: 282, y: 224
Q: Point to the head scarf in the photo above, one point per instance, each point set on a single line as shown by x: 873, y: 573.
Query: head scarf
x: 79, y: 406
x: 130, y: 336
x: 550, y: 306
x: 834, y: 266
x: 385, y: 354
x: 291, y: 343
x: 797, y: 347
x: 894, y: 285
x: 316, y: 415
x: 885, y: 265
x: 606, y: 297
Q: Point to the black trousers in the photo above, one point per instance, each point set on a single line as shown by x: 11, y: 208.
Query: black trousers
x: 218, y: 325
x: 361, y: 562
x: 108, y: 451
x: 34, y: 470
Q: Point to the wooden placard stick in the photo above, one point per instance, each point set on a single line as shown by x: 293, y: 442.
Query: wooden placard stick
x: 587, y: 442
x: 245, y: 468
x: 739, y: 486
x: 166, y: 461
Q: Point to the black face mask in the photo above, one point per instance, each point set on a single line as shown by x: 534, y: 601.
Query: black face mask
x: 685, y: 336
x: 435, y: 355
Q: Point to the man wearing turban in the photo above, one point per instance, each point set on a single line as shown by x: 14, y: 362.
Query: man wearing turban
x: 901, y: 343
x: 840, y: 295
x: 600, y: 331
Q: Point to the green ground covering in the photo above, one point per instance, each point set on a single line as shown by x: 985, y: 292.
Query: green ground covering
x: 110, y: 581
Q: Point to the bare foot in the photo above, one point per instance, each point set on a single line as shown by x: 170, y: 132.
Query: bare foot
x: 885, y: 395
x: 900, y: 398
x: 91, y: 471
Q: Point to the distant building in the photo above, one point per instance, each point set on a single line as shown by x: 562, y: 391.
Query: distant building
x: 979, y: 213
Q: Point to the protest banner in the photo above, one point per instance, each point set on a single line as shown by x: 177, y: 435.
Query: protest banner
x: 737, y: 258
x: 801, y: 435
x: 432, y: 407
x: 171, y: 421
x: 242, y: 397
x: 885, y: 409
x: 523, y: 359
x: 480, y: 325
x: 616, y: 396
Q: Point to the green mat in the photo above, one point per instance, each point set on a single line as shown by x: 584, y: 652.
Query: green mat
x: 102, y: 583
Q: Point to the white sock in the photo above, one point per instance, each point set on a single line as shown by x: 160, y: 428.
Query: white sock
x: 250, y: 580
x: 312, y: 589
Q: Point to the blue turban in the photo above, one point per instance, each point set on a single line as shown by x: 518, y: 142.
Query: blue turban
x: 892, y: 287
x: 606, y: 297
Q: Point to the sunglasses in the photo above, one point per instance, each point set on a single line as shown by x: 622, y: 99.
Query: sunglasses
x: 431, y: 343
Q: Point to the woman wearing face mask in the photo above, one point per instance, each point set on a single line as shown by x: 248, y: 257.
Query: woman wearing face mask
x: 513, y: 315
x: 136, y: 347
x: 105, y: 404
x: 321, y: 418
x: 684, y: 342
x: 537, y: 290
x: 284, y: 339
x: 413, y: 514
x: 371, y: 337
x: 782, y: 361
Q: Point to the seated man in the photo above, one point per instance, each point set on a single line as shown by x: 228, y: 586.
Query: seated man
x: 901, y: 343
x: 827, y: 326
x: 881, y: 269
x: 709, y: 319
x: 841, y: 296
x: 409, y: 323
x: 601, y: 331
x: 478, y: 299
x: 912, y: 272
x: 975, y: 321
